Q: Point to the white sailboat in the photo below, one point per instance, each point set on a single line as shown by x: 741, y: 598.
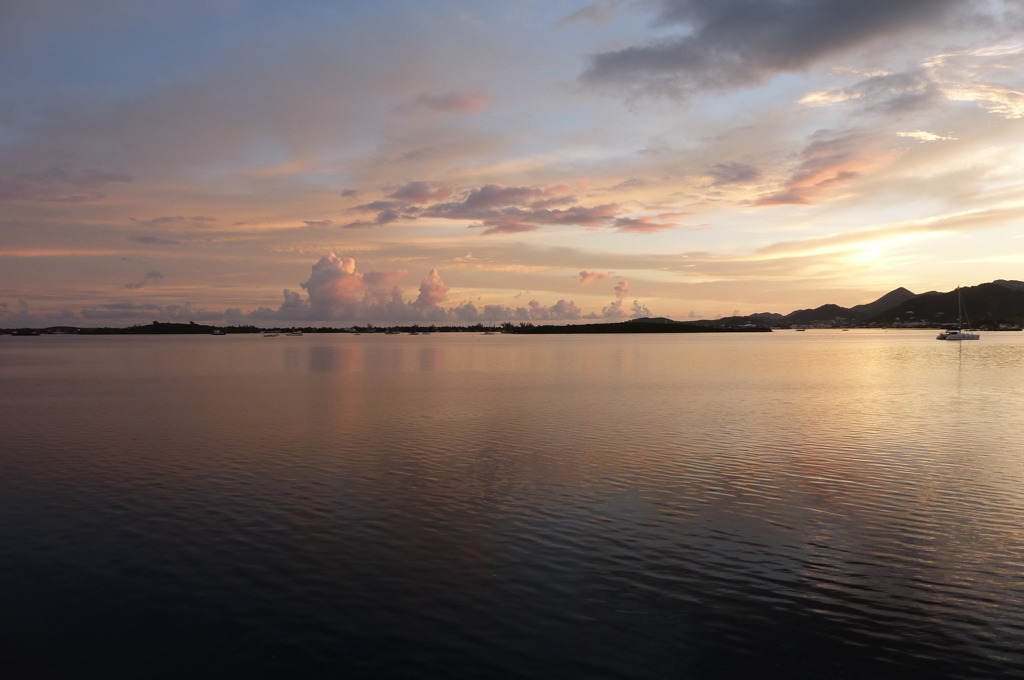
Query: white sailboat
x: 960, y: 332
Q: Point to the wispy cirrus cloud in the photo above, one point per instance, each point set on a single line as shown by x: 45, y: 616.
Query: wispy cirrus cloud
x: 925, y: 136
x: 647, y: 224
x: 459, y: 103
x: 831, y: 160
x: 977, y: 75
x: 149, y: 277
x: 58, y: 185
x: 595, y: 14
x: 195, y: 222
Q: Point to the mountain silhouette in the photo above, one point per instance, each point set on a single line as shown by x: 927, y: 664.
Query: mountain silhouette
x: 995, y: 305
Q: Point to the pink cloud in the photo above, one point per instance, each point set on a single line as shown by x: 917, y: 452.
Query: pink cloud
x: 432, y: 291
x: 829, y: 161
x: 587, y: 277
x: 334, y: 287
x: 622, y: 289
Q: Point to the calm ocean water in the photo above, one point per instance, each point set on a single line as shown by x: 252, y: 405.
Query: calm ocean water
x: 790, y: 505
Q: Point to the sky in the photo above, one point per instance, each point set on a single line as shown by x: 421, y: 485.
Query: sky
x: 464, y: 161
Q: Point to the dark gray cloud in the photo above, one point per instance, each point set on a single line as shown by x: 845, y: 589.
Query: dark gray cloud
x: 725, y: 44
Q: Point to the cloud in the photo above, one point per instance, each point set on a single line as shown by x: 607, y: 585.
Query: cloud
x: 725, y: 44
x: 732, y: 172
x: 885, y: 92
x: 148, y: 311
x: 924, y: 136
x: 432, y: 291
x: 335, y: 291
x: 966, y: 76
x: 154, y: 240
x: 515, y: 220
x: 383, y: 217
x: 504, y: 226
x: 595, y: 14
x: 420, y: 192
x: 57, y: 185
x: 563, y: 310
x: 334, y: 288
x: 196, y: 222
x: 642, y: 225
x: 495, y: 195
x: 318, y: 223
x: 508, y: 210
x: 149, y: 277
x: 459, y: 103
x: 587, y: 277
x: 403, y: 203
x: 829, y: 161
x: 617, y: 310
x: 497, y: 209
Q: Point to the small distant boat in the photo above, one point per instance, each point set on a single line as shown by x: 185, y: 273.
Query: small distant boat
x: 270, y: 335
x: 294, y: 333
x: 218, y: 332
x: 960, y: 332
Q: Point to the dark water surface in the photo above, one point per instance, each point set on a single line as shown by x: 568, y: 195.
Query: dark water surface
x: 792, y: 505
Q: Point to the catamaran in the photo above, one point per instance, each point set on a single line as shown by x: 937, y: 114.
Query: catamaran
x: 961, y: 332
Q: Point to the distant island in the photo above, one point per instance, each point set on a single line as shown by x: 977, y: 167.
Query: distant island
x: 645, y: 325
x: 658, y: 325
x: 995, y: 306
